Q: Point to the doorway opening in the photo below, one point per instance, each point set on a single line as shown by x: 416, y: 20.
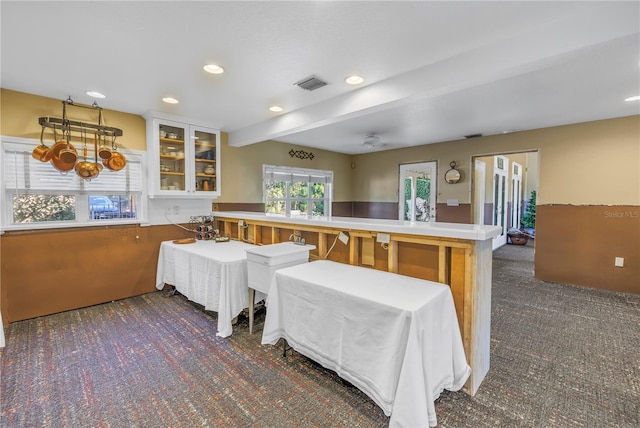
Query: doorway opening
x: 503, y: 184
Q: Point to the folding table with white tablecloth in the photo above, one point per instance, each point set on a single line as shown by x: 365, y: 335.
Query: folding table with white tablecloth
x: 394, y: 337
x: 213, y: 274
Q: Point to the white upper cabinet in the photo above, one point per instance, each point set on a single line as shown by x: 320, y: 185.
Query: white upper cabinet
x: 184, y: 158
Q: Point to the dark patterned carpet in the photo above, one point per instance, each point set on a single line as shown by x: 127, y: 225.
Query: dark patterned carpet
x: 561, y: 356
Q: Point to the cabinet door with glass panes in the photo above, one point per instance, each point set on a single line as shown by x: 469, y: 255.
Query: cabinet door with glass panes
x: 184, y: 160
x: 172, y: 154
x: 206, y: 150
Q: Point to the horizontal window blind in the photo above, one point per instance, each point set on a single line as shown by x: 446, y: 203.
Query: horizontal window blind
x: 281, y: 173
x: 23, y: 173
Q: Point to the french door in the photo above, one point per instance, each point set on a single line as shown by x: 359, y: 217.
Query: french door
x: 500, y: 192
x: 516, y: 194
x: 417, y: 192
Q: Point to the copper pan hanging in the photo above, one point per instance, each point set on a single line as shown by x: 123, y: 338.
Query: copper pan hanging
x: 68, y: 153
x: 117, y: 161
x: 42, y: 152
x: 85, y: 169
x: 64, y: 162
x: 105, y: 150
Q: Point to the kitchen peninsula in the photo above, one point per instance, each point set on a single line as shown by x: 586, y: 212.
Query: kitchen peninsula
x: 458, y: 255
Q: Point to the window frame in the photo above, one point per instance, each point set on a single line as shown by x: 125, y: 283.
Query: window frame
x: 268, y: 170
x: 82, y: 205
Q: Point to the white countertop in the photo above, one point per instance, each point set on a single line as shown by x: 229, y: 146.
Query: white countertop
x: 473, y: 232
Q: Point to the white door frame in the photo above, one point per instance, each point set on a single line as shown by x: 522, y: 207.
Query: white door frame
x: 413, y: 171
x: 516, y: 194
x: 500, y: 192
x: 479, y: 192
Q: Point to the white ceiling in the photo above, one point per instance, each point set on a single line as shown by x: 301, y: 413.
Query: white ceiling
x: 435, y: 71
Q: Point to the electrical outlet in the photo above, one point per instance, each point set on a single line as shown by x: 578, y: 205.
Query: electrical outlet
x: 619, y: 262
x: 241, y: 223
x: 176, y: 209
x: 344, y: 238
x: 383, y: 238
x: 169, y: 211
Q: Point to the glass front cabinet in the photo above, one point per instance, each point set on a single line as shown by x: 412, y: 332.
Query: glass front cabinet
x: 184, y: 159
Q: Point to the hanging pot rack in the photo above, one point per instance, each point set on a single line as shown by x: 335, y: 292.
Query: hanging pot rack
x: 77, y: 126
x: 64, y: 157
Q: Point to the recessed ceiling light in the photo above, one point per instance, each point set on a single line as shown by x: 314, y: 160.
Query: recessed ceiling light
x: 95, y: 94
x: 170, y: 100
x: 276, y: 109
x: 636, y: 98
x: 213, y: 69
x: 354, y: 80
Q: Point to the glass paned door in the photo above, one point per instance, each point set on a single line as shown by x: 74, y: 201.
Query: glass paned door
x: 172, y: 158
x: 204, y: 144
x: 500, y: 192
x: 417, y: 201
x: 516, y: 196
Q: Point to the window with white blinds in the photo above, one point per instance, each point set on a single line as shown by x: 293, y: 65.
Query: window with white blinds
x: 297, y: 191
x: 35, y: 194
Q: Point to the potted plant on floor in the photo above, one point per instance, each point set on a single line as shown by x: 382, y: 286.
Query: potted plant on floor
x: 528, y: 221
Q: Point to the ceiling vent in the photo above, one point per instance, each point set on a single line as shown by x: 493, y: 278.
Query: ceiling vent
x: 311, y: 83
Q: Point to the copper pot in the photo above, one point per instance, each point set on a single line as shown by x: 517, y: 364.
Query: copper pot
x: 68, y: 154
x: 42, y: 152
x: 105, y: 151
x: 85, y: 169
x: 58, y: 163
x: 116, y: 162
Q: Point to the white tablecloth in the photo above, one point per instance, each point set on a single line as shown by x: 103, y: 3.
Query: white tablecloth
x: 394, y: 337
x: 213, y: 274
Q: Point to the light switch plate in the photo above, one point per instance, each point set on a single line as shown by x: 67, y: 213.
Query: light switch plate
x: 344, y: 238
x: 619, y: 262
x: 383, y: 238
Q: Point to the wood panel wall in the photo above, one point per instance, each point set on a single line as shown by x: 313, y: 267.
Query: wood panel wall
x: 44, y: 272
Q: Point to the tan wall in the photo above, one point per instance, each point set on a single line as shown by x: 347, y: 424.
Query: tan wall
x: 242, y: 169
x: 20, y: 113
x: 591, y: 169
x: 594, y: 163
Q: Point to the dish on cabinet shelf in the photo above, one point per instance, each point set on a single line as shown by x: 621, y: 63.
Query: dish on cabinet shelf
x: 207, y: 154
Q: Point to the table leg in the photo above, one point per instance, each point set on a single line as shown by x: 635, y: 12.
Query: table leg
x: 252, y: 294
